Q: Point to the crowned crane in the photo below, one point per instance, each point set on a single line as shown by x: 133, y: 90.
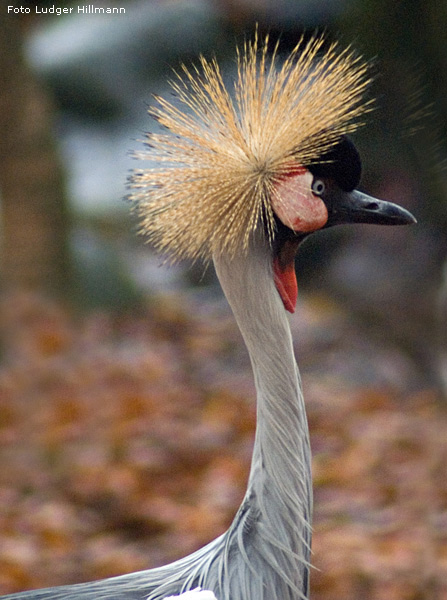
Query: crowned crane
x: 242, y: 177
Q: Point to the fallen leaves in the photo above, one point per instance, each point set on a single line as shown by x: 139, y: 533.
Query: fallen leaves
x: 125, y: 443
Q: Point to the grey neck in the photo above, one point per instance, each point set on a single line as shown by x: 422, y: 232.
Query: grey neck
x: 280, y: 483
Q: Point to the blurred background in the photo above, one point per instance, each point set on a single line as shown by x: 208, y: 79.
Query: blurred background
x: 126, y: 397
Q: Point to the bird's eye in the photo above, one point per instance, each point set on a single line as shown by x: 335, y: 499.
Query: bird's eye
x: 318, y: 187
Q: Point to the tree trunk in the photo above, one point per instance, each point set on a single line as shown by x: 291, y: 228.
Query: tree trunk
x: 34, y: 217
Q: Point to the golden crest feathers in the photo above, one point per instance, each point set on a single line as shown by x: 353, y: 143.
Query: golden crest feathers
x: 216, y: 167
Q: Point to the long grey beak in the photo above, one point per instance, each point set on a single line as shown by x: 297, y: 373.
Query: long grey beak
x: 357, y: 207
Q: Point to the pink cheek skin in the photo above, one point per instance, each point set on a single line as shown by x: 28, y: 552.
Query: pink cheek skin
x: 295, y: 204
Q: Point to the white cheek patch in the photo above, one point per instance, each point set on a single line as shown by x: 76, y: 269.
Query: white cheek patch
x: 295, y: 205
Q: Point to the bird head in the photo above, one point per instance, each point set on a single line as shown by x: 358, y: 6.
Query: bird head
x: 268, y: 154
x: 321, y: 195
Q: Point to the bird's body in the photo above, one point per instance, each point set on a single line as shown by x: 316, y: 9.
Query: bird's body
x: 244, y: 182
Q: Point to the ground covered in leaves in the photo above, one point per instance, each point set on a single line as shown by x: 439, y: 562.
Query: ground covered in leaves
x: 125, y: 443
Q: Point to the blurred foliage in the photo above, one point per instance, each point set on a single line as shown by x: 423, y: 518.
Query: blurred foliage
x: 125, y: 443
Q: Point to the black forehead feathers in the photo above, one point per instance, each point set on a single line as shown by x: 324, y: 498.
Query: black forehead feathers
x: 341, y: 163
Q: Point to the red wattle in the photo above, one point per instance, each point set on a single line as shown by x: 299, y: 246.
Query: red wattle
x: 286, y: 284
